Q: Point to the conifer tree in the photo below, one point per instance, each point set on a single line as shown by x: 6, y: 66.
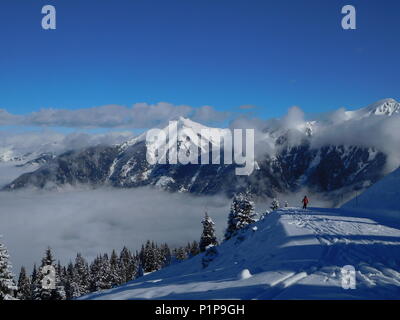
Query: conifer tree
x: 241, y: 214
x: 100, y: 273
x: 34, y: 280
x: 275, y: 204
x: 95, y: 267
x: 115, y: 271
x: 180, y: 254
x: 158, y: 256
x: 128, y: 265
x: 24, y: 285
x: 7, y: 285
x: 48, y: 286
x: 81, y: 275
x: 71, y: 287
x: 187, y: 249
x: 60, y: 274
x: 208, y: 236
x: 104, y: 274
x: 151, y: 257
x: 166, y: 255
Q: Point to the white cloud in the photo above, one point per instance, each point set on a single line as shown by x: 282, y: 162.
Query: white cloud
x: 294, y: 118
x: 7, y: 118
x: 139, y: 116
x: 379, y: 132
x: 209, y: 114
x: 20, y: 143
x: 336, y: 128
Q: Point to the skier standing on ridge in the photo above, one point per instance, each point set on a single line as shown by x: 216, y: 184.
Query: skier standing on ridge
x: 305, y: 202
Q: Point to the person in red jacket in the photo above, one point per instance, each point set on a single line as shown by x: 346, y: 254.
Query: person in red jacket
x: 305, y: 202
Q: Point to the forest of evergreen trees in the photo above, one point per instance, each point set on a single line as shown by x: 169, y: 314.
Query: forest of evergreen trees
x: 106, y: 271
x: 53, y: 281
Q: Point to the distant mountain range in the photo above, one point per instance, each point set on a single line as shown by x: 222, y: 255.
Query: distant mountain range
x: 288, y: 160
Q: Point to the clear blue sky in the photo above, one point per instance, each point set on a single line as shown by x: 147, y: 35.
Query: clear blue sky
x: 224, y: 53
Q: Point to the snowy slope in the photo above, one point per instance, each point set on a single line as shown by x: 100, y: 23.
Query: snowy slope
x: 291, y: 254
x: 382, y: 198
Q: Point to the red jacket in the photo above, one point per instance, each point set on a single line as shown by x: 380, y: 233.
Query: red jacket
x: 305, y: 200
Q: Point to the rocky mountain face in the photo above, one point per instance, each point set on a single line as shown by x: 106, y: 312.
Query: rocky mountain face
x: 328, y: 169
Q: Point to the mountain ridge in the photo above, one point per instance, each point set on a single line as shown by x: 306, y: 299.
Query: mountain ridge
x: 291, y: 167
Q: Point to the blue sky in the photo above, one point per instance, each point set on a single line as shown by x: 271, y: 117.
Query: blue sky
x: 272, y: 54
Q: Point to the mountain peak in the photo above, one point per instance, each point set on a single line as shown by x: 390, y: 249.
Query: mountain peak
x: 188, y: 123
x: 384, y: 107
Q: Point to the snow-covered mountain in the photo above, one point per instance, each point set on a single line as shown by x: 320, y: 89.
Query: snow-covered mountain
x: 15, y: 162
x: 291, y: 154
x: 385, y: 107
x: 290, y: 254
x: 18, y: 158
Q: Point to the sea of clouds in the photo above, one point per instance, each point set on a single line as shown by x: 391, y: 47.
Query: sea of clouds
x: 97, y: 221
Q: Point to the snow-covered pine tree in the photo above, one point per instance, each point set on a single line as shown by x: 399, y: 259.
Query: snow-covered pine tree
x: 145, y: 256
x: 24, y: 285
x: 241, y: 214
x: 187, y: 249
x: 7, y: 284
x: 34, y: 280
x: 275, y: 204
x: 60, y: 273
x: 71, y: 287
x: 151, y: 257
x: 159, y: 258
x: 104, y: 273
x: 115, y: 271
x: 81, y: 275
x: 100, y: 273
x: 180, y: 254
x: 128, y: 265
x: 166, y: 255
x: 45, y: 277
x: 208, y: 236
x: 94, y: 274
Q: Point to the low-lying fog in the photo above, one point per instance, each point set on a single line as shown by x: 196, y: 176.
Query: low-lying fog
x: 97, y: 221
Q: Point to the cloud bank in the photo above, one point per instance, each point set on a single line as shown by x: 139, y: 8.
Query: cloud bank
x: 139, y: 116
x: 97, y: 221
x: 17, y: 144
x: 339, y: 128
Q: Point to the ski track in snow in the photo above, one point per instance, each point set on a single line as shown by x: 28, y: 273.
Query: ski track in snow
x: 339, y: 236
x: 293, y: 254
